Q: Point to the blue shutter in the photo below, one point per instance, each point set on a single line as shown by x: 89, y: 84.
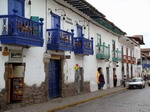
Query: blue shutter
x: 79, y: 31
x: 16, y: 4
x: 55, y: 21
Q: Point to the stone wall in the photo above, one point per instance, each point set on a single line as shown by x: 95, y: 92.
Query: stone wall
x: 70, y: 89
x: 2, y: 100
x: 34, y: 94
x: 38, y: 94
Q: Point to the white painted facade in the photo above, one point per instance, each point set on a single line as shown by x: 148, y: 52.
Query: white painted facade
x: 133, y: 50
x: 33, y: 56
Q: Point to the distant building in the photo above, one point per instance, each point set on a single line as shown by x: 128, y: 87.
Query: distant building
x: 145, y: 58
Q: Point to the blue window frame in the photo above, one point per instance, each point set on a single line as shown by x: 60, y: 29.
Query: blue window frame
x: 55, y: 21
x: 18, y: 5
x: 79, y: 31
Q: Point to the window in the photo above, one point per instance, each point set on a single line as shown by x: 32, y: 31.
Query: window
x: 99, y: 39
x: 113, y: 48
x: 113, y: 44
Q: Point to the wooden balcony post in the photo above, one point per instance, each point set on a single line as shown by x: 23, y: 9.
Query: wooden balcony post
x: 108, y: 50
x: 82, y: 41
x: 72, y: 38
x: 92, y: 44
x: 103, y: 48
x: 41, y: 26
x: 117, y: 54
x: 15, y: 22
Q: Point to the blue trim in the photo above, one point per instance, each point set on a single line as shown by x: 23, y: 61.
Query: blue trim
x: 55, y: 21
x: 20, y: 41
x: 146, y: 65
x: 79, y: 31
x: 12, y: 5
x: 60, y: 40
x: 21, y: 31
x: 83, y: 46
x: 54, y: 78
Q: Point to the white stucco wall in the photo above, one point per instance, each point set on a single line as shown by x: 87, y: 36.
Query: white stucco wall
x: 33, y: 57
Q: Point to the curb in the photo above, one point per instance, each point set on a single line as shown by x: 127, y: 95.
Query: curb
x: 76, y: 103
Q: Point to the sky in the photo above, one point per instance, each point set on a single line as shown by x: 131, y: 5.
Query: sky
x: 131, y: 16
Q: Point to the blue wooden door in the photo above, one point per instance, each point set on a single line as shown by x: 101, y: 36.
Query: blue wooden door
x: 79, y: 31
x: 54, y: 78
x: 55, y: 21
x: 18, y: 5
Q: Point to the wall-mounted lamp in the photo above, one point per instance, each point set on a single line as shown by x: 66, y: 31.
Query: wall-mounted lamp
x: 84, y: 26
x: 29, y: 2
x: 64, y: 13
x: 50, y: 10
x: 76, y: 22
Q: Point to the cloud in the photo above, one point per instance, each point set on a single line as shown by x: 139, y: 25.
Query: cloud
x: 132, y: 16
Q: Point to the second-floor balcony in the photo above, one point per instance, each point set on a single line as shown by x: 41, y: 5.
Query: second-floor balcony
x: 128, y: 59
x: 133, y: 60
x: 60, y: 40
x: 116, y: 55
x: 125, y: 59
x: 83, y: 46
x: 20, y: 31
x: 103, y: 51
x: 145, y: 65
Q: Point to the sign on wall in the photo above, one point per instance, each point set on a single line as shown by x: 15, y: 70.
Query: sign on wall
x: 69, y: 20
x: 15, y: 56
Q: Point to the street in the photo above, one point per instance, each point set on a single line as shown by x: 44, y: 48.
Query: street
x: 134, y: 100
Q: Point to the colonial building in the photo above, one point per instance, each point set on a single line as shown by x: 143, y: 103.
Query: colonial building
x: 52, y: 48
x: 130, y: 56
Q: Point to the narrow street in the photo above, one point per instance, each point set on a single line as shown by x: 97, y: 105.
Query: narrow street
x: 134, y: 100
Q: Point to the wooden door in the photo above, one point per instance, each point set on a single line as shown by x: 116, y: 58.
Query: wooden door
x: 54, y: 78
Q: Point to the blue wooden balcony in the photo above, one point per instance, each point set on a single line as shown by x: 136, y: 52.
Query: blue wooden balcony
x: 20, y: 31
x: 117, y: 55
x: 103, y: 51
x: 60, y: 40
x: 146, y: 65
x: 83, y: 46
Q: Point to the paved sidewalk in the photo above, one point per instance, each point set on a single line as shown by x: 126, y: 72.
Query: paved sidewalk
x: 61, y: 103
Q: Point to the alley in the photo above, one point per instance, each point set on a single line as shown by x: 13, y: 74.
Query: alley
x: 135, y: 100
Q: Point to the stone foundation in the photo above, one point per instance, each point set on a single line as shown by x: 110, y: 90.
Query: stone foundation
x: 34, y: 94
x: 70, y: 89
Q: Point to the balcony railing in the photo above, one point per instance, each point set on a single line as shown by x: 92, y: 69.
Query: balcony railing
x: 103, y: 51
x: 145, y: 65
x: 133, y: 60
x: 83, y: 46
x: 125, y: 59
x: 60, y: 40
x: 129, y: 59
x: 117, y: 55
x: 17, y: 30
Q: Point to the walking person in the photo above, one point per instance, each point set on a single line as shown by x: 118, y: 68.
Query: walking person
x: 100, y: 78
x: 115, y: 80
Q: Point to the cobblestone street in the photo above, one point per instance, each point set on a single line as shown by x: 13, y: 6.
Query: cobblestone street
x: 135, y: 100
